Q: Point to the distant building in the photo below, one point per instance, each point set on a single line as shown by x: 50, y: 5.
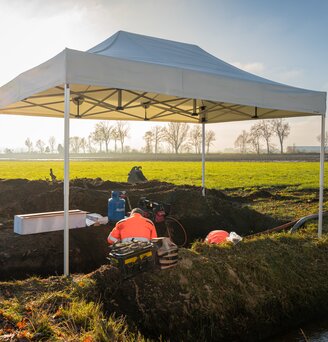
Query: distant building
x: 303, y: 149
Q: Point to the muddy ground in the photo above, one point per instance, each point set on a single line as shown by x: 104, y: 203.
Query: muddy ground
x: 42, y: 254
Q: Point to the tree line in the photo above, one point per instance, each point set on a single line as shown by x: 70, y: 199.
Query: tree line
x: 177, y: 137
x: 97, y: 141
x: 173, y: 138
x: 261, y: 133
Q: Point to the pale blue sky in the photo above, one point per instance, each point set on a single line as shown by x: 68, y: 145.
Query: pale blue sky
x: 283, y: 40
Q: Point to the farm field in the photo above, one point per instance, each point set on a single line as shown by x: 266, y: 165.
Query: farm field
x: 220, y: 175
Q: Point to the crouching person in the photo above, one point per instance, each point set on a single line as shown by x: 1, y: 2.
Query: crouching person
x: 134, y: 227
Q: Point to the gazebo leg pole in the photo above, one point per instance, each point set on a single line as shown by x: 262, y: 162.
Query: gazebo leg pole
x: 203, y: 158
x: 322, y: 163
x: 66, y: 179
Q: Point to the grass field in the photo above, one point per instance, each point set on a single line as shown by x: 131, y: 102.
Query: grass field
x: 220, y: 175
x: 60, y: 308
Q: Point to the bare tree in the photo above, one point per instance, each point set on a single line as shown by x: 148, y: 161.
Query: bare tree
x: 89, y: 143
x: 104, y: 132
x: 75, y: 144
x: 158, y: 136
x: 255, y: 137
x: 188, y: 147
x: 84, y: 144
x: 241, y: 141
x: 122, y: 129
x: 96, y: 137
x: 266, y: 129
x: 195, y: 138
x: 282, y: 130
x: 40, y: 145
x: 326, y: 139
x: 209, y: 139
x: 52, y: 143
x: 60, y: 148
x: 115, y: 137
x: 175, y: 134
x: 29, y: 145
x: 148, y: 137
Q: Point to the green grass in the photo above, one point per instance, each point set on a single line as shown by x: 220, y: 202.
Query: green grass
x: 55, y: 309
x: 221, y: 175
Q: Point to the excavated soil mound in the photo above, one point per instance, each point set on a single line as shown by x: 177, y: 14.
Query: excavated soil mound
x: 42, y: 254
x: 246, y: 292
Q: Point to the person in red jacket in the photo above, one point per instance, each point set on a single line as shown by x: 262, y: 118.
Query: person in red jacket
x: 134, y: 227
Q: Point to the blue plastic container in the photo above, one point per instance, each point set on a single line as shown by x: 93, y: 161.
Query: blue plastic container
x: 116, y: 207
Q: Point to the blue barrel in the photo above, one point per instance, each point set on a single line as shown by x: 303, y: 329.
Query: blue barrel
x: 116, y: 207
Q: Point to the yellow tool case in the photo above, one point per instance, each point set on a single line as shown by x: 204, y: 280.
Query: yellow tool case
x: 132, y: 257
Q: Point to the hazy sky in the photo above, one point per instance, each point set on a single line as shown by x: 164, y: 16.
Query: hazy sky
x: 283, y: 40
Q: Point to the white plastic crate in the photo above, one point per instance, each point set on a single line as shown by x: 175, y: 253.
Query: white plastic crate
x: 47, y: 222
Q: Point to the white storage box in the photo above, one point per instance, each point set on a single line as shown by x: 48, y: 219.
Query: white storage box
x: 47, y: 222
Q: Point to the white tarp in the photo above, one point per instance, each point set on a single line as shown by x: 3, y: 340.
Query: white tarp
x: 135, y: 77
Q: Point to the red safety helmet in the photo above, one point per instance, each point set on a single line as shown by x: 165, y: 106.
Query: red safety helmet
x: 217, y: 236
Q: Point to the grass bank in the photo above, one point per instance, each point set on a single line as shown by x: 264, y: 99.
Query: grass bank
x: 221, y: 175
x: 217, y: 293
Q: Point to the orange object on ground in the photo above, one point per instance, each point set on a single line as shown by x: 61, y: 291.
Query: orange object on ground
x: 135, y: 226
x: 217, y: 236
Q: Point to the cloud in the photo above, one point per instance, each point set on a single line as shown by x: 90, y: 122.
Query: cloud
x: 290, y: 75
x: 41, y: 8
x: 255, y: 67
x: 278, y: 74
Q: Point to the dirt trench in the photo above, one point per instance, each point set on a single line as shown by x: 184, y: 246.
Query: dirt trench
x: 42, y: 254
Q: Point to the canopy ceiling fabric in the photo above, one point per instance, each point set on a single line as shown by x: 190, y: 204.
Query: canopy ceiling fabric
x: 135, y: 77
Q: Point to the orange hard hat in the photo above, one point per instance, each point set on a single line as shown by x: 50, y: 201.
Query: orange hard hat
x: 217, y: 236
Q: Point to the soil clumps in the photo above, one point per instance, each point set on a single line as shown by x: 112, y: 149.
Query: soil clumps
x: 42, y: 254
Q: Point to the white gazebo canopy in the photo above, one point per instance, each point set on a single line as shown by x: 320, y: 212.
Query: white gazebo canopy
x: 135, y: 77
